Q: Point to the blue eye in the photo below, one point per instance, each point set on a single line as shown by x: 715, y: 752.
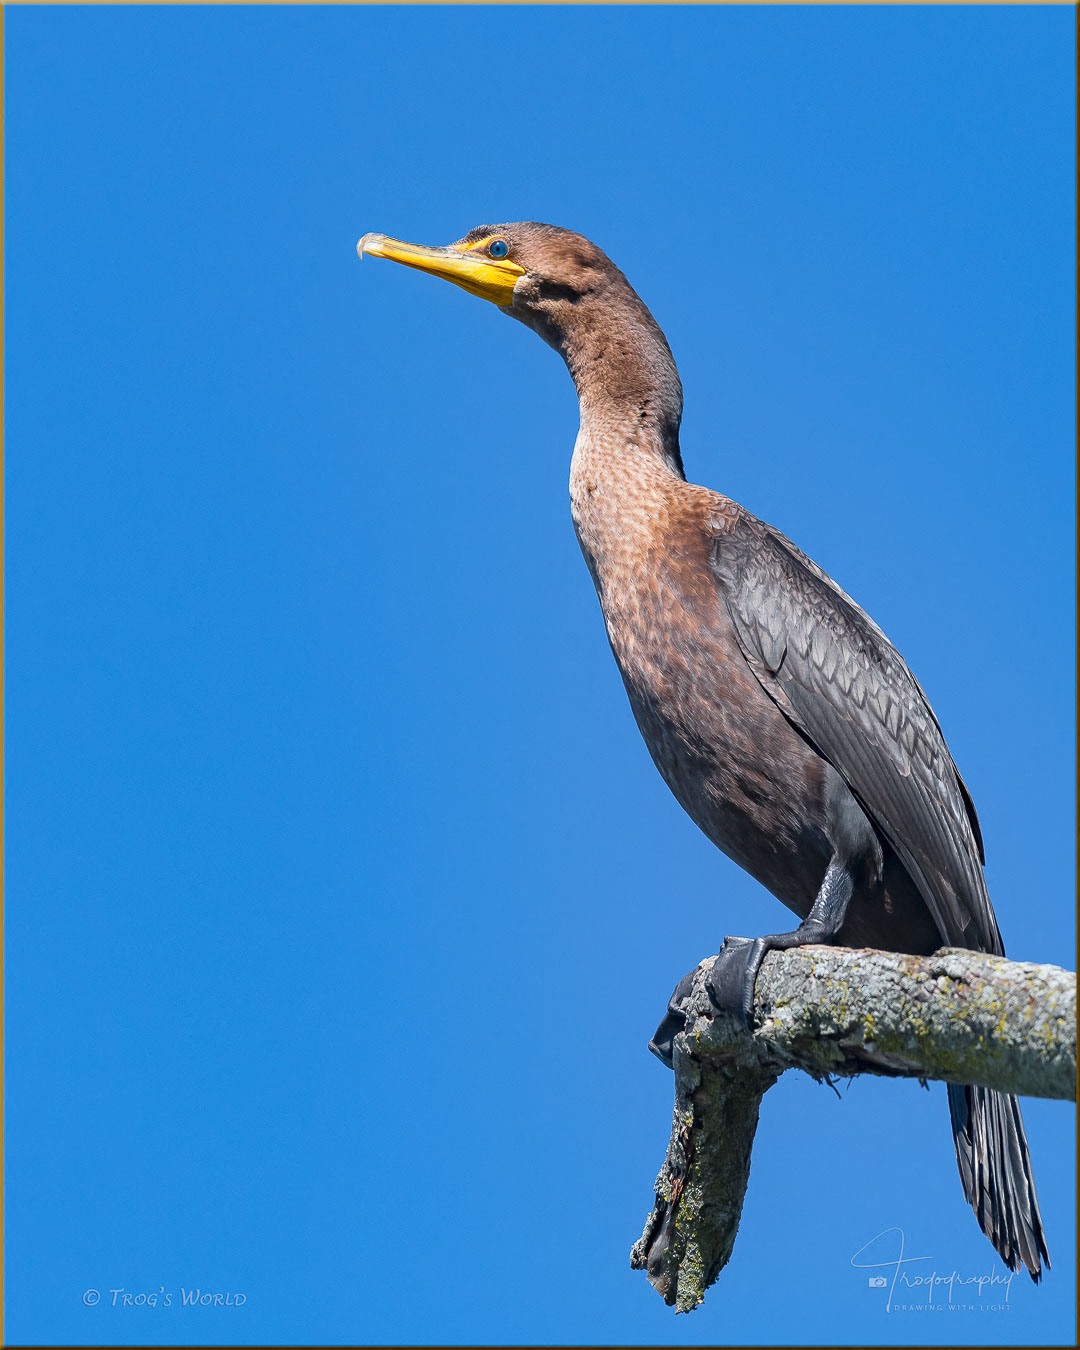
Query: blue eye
x: 498, y: 248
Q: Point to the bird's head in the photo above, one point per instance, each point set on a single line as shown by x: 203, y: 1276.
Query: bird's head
x: 570, y: 293
x: 550, y: 278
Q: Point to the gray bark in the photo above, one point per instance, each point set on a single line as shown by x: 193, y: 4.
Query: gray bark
x: 959, y: 1016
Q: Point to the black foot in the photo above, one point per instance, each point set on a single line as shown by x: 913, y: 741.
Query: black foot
x: 730, y: 983
x: 662, y: 1043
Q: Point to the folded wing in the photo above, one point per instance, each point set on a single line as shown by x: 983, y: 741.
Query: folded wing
x: 842, y: 683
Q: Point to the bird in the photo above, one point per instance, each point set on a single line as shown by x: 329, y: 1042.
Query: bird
x: 784, y: 721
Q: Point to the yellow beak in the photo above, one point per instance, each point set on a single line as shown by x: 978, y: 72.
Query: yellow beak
x: 490, y: 278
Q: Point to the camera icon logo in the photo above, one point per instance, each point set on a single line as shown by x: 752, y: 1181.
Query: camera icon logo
x: 877, y: 1282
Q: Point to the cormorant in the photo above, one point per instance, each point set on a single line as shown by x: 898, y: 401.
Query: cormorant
x: 779, y: 714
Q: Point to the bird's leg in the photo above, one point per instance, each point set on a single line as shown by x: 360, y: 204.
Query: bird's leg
x: 730, y: 983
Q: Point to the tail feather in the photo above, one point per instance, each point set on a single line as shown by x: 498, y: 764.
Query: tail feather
x: 995, y: 1168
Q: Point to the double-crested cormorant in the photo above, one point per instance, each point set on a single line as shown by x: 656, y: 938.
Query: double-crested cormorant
x: 779, y: 714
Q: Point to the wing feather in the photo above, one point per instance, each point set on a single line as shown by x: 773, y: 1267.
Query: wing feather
x: 838, y: 678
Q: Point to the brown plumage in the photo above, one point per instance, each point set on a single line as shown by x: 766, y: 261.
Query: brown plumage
x: 781, y: 717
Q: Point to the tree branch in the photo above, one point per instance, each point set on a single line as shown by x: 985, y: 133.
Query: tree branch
x: 959, y: 1016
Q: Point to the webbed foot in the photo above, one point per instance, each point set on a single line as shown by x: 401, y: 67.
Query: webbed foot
x: 730, y: 983
x: 662, y: 1043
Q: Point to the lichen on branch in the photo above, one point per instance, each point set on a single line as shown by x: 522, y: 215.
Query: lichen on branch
x: 959, y: 1016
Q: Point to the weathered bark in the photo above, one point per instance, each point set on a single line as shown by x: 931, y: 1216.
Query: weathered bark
x: 960, y: 1016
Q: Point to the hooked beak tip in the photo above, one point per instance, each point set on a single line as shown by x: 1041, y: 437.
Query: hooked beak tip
x: 364, y: 242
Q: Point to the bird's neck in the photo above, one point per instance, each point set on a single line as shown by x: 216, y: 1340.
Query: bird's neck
x: 641, y: 438
x: 626, y: 470
x: 629, y: 396
x: 628, y: 387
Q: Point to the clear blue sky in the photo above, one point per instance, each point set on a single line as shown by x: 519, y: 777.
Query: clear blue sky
x: 342, y: 894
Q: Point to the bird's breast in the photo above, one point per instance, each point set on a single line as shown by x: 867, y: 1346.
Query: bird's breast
x: 725, y: 750
x: 642, y: 532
